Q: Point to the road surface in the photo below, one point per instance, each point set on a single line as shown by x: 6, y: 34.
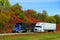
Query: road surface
x: 13, y: 34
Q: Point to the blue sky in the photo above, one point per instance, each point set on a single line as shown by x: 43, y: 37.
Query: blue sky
x: 51, y: 6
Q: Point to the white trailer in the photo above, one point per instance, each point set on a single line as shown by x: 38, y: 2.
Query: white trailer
x: 43, y: 27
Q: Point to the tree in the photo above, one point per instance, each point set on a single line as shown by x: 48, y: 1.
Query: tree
x: 40, y: 17
x: 7, y: 4
x: 34, y: 14
x: 31, y: 13
x: 17, y: 11
x: 57, y: 17
x: 50, y: 19
x: 3, y: 19
x: 44, y: 15
x: 1, y: 5
x: 4, y: 5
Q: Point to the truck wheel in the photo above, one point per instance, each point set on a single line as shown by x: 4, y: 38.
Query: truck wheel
x: 13, y: 31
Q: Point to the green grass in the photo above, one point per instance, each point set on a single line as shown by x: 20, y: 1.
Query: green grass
x: 34, y: 36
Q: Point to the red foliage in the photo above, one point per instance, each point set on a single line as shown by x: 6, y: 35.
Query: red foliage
x: 15, y: 20
x: 33, y: 20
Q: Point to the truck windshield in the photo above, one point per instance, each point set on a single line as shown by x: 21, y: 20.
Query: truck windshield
x: 38, y: 26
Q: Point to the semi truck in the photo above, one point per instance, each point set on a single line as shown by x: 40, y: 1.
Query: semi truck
x: 45, y: 27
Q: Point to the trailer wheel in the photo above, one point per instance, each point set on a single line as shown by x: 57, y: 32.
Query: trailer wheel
x: 50, y: 30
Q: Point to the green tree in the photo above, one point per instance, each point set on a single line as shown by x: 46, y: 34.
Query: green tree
x: 4, y: 5
x: 50, y: 19
x: 40, y: 17
x: 44, y: 15
x: 34, y: 14
x: 17, y: 11
x: 7, y: 4
x: 57, y: 17
x: 1, y: 5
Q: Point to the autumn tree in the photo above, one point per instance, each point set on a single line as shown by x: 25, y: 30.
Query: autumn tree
x: 3, y: 19
x: 31, y: 13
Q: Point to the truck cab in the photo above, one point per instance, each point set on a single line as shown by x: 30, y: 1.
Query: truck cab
x: 38, y: 27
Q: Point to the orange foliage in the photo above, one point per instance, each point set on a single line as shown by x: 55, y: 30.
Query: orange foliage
x: 28, y: 12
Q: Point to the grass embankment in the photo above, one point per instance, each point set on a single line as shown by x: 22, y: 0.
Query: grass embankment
x: 34, y: 36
